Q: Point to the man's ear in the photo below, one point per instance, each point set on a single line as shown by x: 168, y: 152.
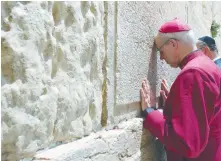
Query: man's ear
x: 203, y: 49
x: 174, y: 43
x: 206, y: 50
x: 209, y: 53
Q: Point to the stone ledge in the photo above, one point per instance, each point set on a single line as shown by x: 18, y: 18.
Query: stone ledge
x: 123, y: 142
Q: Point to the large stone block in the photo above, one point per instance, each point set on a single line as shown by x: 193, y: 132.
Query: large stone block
x: 52, y: 57
x: 126, y: 141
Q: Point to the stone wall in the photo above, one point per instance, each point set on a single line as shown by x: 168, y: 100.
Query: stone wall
x: 71, y: 71
x: 125, y: 142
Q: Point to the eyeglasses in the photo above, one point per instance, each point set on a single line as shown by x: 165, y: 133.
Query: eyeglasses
x: 158, y: 49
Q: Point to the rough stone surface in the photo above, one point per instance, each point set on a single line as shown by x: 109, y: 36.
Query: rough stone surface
x: 127, y: 141
x: 52, y: 56
x: 70, y: 69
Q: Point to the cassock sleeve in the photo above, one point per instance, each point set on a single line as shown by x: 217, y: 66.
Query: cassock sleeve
x: 186, y: 130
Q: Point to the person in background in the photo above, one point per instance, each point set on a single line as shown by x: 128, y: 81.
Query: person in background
x: 208, y: 46
x: 190, y: 125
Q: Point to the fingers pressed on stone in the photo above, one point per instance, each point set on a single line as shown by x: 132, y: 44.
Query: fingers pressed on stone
x: 144, y: 87
x: 142, y: 93
x: 163, y: 95
x: 147, y: 82
x: 165, y: 82
x: 147, y: 87
x: 143, y: 99
x: 164, y: 88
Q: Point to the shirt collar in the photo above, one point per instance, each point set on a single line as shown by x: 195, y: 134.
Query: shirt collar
x: 216, y: 58
x: 189, y: 57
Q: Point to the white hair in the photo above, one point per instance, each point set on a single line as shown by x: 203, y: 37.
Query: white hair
x: 187, y: 37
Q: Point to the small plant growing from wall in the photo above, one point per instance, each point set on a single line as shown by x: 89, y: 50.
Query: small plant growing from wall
x: 214, y: 29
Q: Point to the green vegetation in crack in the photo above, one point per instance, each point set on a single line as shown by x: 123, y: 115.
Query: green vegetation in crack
x: 214, y: 28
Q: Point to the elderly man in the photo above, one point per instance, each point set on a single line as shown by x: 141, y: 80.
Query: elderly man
x: 208, y: 46
x: 190, y: 125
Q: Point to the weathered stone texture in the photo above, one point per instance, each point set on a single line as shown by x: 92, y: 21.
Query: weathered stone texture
x: 125, y: 142
x: 52, y: 56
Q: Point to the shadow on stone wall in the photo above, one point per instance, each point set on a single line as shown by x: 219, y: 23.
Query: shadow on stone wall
x: 151, y: 148
x: 152, y: 72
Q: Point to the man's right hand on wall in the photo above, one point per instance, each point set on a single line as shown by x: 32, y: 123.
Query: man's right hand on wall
x: 163, y: 93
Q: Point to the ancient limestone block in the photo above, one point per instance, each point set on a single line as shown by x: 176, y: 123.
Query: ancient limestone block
x: 52, y: 55
x: 126, y: 141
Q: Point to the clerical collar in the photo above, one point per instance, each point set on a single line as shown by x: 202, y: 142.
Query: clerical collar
x: 189, y: 57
